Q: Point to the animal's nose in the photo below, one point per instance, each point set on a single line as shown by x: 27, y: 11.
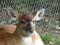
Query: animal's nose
x: 31, y: 30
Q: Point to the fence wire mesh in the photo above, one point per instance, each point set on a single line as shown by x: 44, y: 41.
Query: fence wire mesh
x: 29, y: 6
x: 52, y: 15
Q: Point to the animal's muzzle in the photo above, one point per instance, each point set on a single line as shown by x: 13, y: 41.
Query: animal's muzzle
x: 30, y: 30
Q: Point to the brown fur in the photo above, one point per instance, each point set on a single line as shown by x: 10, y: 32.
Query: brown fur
x: 16, y: 37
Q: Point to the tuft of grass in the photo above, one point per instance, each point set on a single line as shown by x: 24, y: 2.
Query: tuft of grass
x: 46, y: 38
x: 57, y: 41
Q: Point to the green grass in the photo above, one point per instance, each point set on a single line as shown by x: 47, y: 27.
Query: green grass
x: 47, y: 38
x: 57, y: 41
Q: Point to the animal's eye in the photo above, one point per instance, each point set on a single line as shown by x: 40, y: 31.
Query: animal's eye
x: 23, y: 21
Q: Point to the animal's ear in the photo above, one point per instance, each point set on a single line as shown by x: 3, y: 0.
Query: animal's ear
x: 12, y: 15
x: 39, y: 15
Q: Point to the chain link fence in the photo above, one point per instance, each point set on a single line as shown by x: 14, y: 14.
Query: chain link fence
x: 52, y: 12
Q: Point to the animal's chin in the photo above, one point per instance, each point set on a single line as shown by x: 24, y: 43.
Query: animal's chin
x: 29, y: 34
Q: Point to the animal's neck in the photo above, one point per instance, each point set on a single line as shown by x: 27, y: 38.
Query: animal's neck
x: 27, y: 40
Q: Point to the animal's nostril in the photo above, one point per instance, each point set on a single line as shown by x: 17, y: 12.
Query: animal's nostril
x: 31, y: 30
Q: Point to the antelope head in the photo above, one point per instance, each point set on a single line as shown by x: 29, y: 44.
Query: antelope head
x: 25, y: 22
x: 25, y: 26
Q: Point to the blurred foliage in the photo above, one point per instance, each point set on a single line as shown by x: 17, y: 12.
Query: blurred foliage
x: 49, y: 39
x: 57, y: 41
